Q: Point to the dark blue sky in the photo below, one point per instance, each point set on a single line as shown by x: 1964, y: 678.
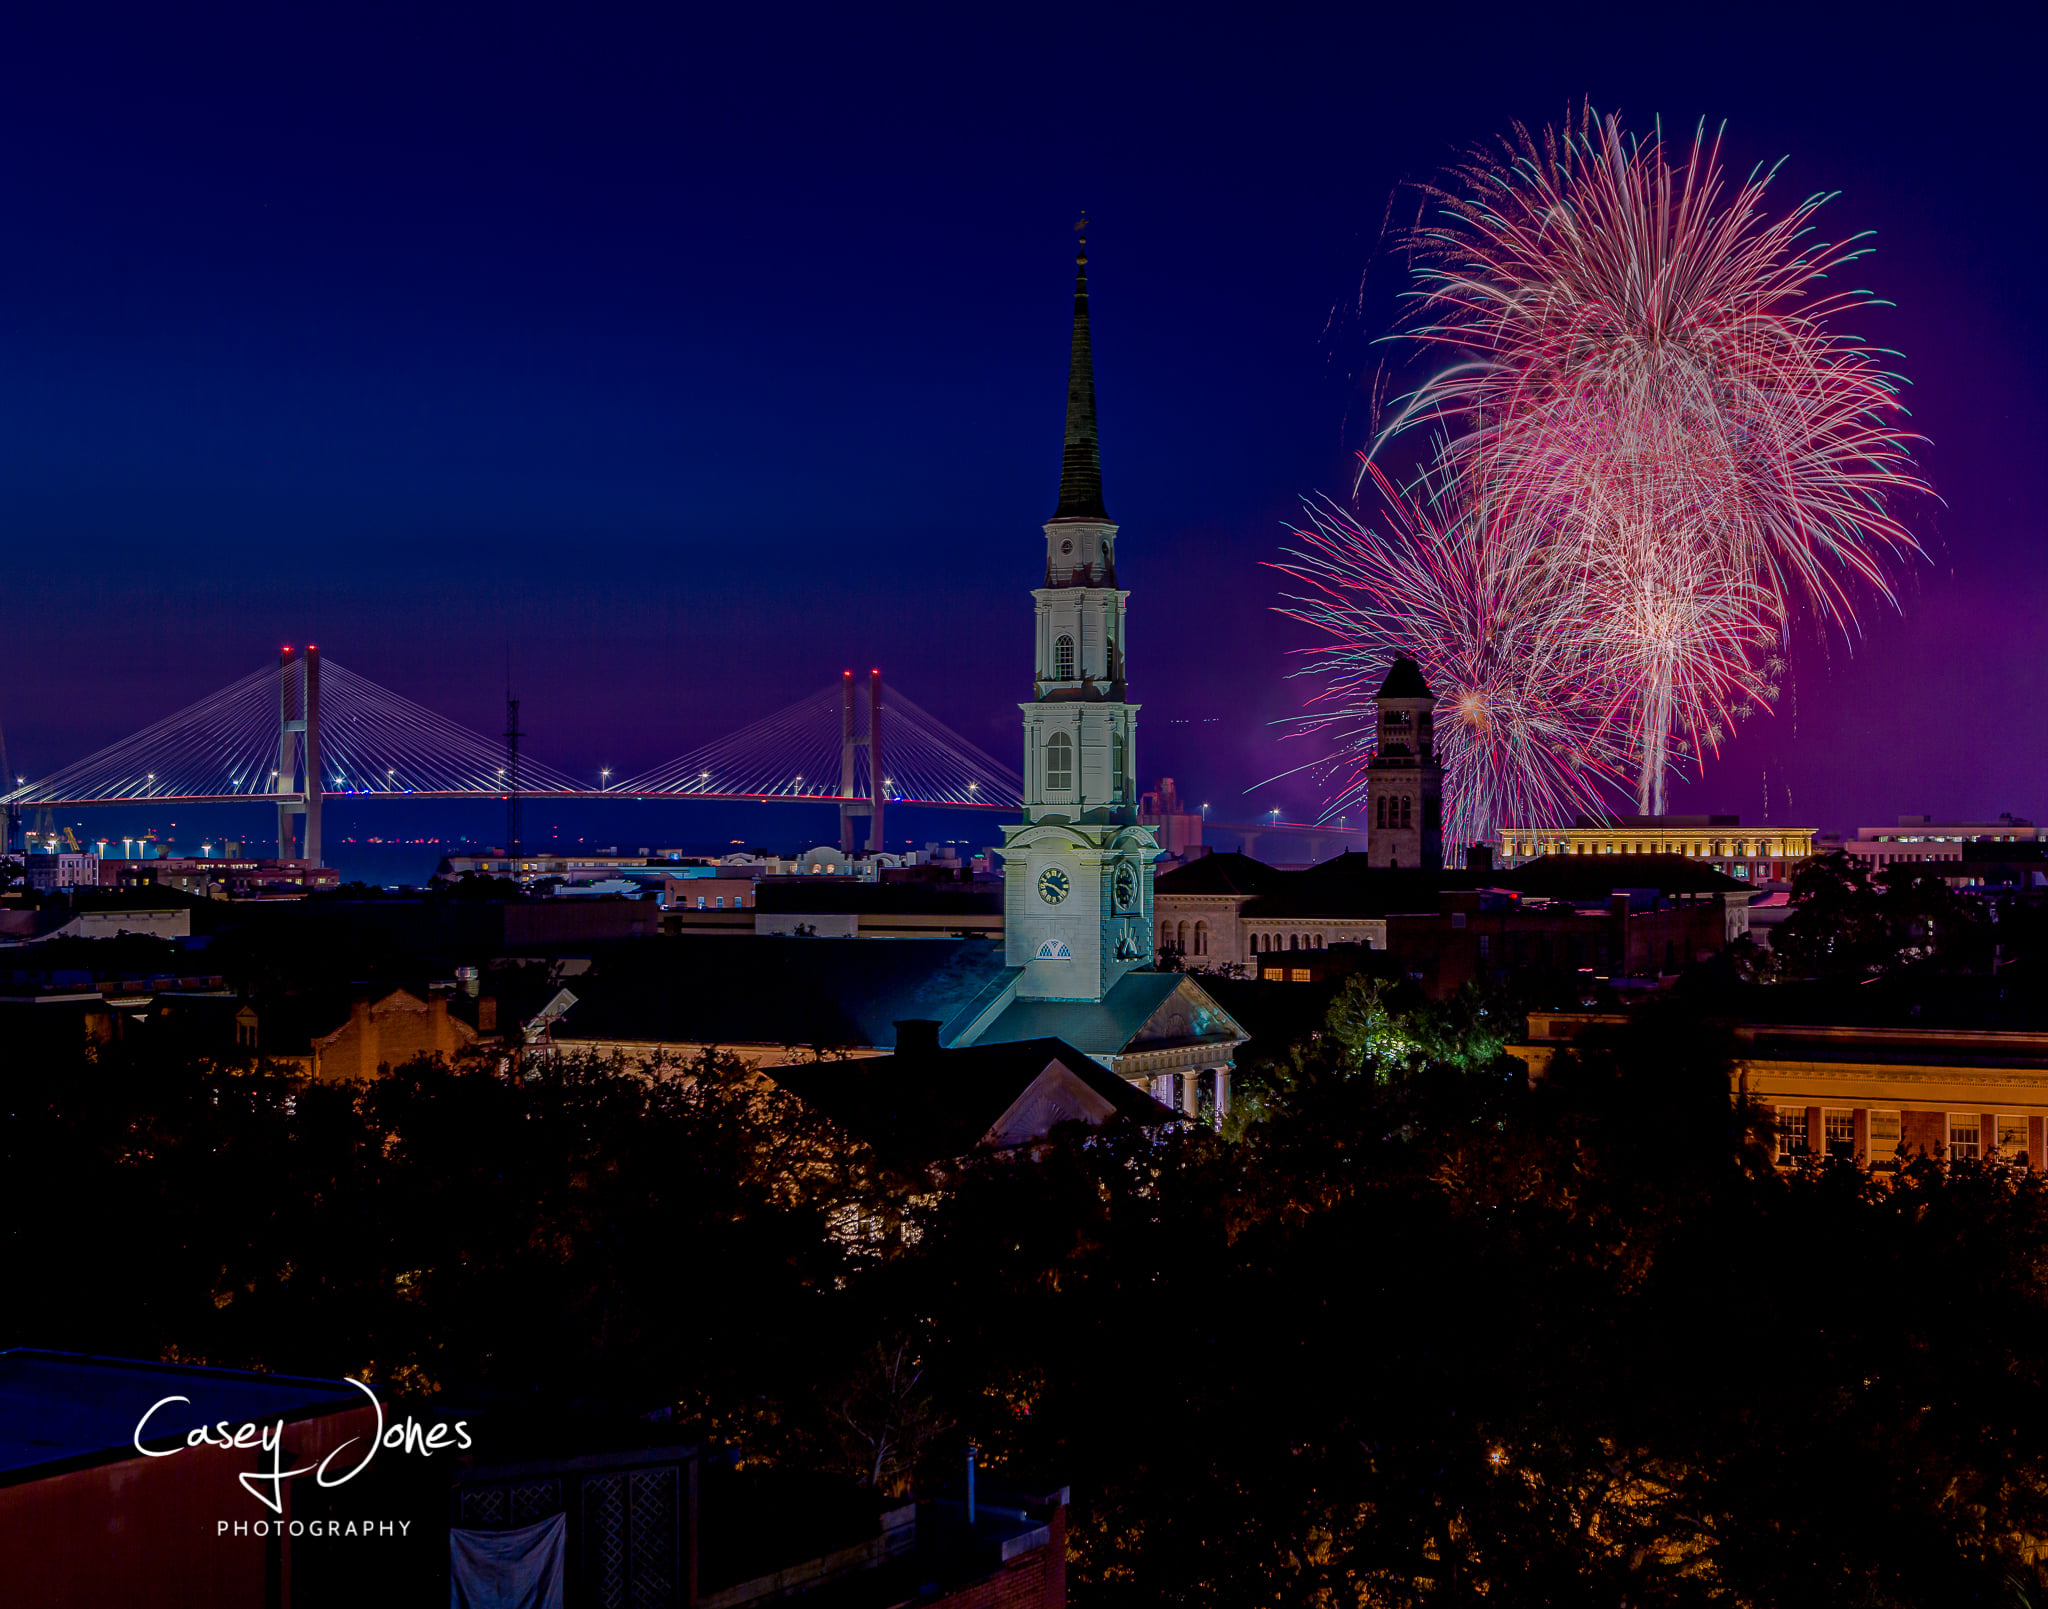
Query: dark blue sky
x: 701, y: 353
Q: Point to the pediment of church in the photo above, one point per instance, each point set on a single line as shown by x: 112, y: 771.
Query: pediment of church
x: 1187, y: 1015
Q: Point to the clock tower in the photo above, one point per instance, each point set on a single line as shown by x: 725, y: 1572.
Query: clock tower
x: 1077, y: 873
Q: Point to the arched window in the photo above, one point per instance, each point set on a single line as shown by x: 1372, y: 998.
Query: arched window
x: 1294, y: 941
x: 1165, y: 935
x: 1201, y: 938
x: 1407, y: 810
x: 1059, y: 761
x: 1063, y: 660
x: 1251, y: 944
x: 1180, y: 938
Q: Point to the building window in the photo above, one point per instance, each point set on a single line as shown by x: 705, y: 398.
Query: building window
x: 1884, y: 1137
x: 1294, y: 941
x: 1791, y: 1126
x: 1965, y: 1136
x: 1063, y: 660
x: 700, y: 902
x: 1380, y: 813
x: 1120, y: 762
x: 1838, y: 1130
x: 1165, y: 935
x: 1297, y: 975
x: 1485, y: 946
x: 1059, y: 761
x: 2012, y: 1137
x: 719, y: 903
x: 1407, y: 810
x: 1180, y: 938
x: 1201, y: 938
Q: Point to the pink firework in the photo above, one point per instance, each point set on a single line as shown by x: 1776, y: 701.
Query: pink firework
x: 1652, y: 393
x: 1495, y: 623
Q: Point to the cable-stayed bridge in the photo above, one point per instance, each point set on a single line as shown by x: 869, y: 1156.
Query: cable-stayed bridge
x: 296, y: 733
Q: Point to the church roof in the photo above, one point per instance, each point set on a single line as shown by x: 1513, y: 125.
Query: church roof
x: 1081, y: 459
x: 934, y: 1105
x: 1404, y: 680
x: 1110, y: 1026
x: 748, y: 989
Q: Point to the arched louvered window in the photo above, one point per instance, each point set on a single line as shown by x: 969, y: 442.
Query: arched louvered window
x: 1063, y: 660
x: 1059, y: 761
x: 1120, y: 752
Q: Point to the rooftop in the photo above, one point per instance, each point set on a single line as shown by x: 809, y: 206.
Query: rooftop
x: 68, y: 1409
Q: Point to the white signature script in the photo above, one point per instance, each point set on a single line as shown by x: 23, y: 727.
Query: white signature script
x: 411, y: 1437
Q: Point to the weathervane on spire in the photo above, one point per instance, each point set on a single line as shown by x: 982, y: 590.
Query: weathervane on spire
x: 1081, y: 229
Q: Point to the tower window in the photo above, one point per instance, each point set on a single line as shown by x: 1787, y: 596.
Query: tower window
x: 1063, y: 660
x: 1407, y: 810
x: 1380, y: 814
x: 1059, y: 755
x: 1120, y: 749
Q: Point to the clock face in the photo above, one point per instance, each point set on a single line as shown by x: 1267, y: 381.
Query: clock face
x: 1126, y: 886
x: 1053, y: 885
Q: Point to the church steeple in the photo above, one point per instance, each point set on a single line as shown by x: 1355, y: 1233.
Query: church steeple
x: 1081, y: 460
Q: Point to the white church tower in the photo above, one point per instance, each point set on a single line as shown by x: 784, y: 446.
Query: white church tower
x: 1077, y: 875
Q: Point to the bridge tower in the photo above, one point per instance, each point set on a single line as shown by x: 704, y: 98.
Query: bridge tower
x: 512, y: 737
x: 850, y: 745
x: 298, y: 743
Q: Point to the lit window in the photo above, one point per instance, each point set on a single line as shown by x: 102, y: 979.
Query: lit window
x: 1965, y: 1136
x: 1791, y: 1124
x: 719, y: 903
x: 1059, y: 763
x: 2012, y: 1137
x: 700, y: 902
x: 1297, y: 975
x: 1838, y: 1130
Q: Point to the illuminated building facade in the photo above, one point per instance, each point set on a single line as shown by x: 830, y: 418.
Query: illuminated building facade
x: 1765, y: 854
x: 1918, y: 840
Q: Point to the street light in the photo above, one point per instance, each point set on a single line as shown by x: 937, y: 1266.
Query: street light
x: 604, y: 778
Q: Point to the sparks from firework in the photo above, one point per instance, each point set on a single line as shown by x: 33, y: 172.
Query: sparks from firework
x: 1651, y: 382
x: 1524, y: 728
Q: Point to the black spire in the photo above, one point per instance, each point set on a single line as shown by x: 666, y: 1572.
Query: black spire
x: 1081, y: 461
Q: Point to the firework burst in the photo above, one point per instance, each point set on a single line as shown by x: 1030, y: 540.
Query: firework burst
x: 1677, y: 450
x: 1491, y: 624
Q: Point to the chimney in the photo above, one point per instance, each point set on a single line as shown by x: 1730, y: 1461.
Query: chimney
x: 917, y: 1036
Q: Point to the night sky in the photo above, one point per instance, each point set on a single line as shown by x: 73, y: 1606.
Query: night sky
x: 695, y: 357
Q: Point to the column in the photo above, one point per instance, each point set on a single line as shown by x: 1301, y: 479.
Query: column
x: 1190, y: 1091
x: 1816, y: 1133
x: 1861, y: 1116
x: 1223, y: 1103
x: 1987, y: 1134
x: 2035, y: 1137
